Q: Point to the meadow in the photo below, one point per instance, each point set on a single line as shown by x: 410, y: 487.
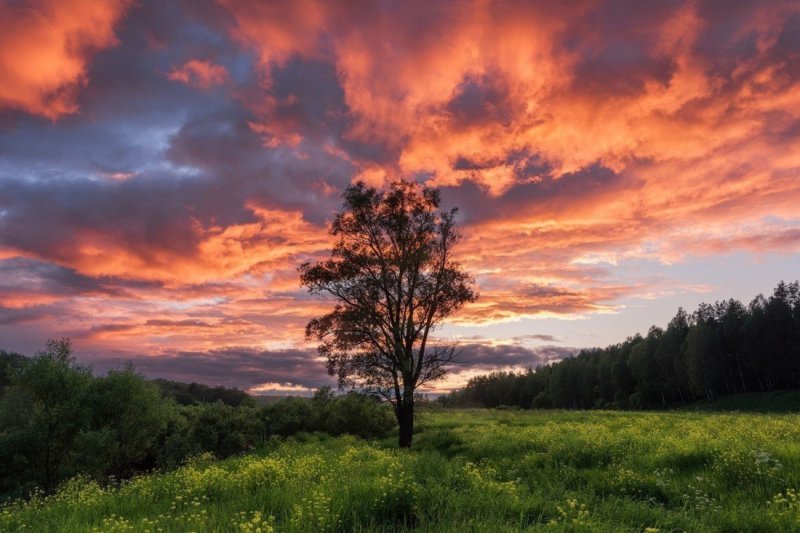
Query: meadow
x: 469, y: 470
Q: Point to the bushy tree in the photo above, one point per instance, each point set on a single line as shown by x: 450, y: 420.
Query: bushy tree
x: 193, y: 393
x: 41, y: 415
x: 394, y: 279
x: 223, y: 429
x: 356, y: 414
x: 127, y: 417
x: 353, y: 413
x: 288, y: 416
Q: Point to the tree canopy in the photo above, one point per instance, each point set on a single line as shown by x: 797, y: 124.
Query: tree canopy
x: 394, y: 279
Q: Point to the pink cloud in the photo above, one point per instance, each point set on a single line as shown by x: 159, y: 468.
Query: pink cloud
x: 574, y: 137
x: 200, y: 74
x: 45, y: 48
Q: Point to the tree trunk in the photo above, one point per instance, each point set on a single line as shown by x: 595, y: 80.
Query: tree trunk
x: 405, y: 418
x: 741, y: 374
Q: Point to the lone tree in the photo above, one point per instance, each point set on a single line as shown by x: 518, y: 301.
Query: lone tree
x: 394, y: 279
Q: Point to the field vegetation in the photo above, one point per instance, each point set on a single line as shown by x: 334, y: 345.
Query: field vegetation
x: 469, y: 470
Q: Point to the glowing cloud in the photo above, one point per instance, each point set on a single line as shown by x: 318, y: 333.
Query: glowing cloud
x: 589, y: 148
x: 45, y: 47
x: 201, y: 74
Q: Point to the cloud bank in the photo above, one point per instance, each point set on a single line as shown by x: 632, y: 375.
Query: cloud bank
x: 165, y: 168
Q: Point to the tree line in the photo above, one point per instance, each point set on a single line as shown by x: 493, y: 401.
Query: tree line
x: 193, y: 393
x: 722, y: 348
x: 58, y: 420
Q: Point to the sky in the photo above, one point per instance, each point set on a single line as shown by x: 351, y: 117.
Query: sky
x: 166, y: 166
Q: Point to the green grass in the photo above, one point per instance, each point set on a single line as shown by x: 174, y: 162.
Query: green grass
x: 470, y: 471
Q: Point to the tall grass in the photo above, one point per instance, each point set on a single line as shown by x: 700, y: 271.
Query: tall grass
x: 469, y: 471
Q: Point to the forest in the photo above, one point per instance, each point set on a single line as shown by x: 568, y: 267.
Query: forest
x: 722, y: 348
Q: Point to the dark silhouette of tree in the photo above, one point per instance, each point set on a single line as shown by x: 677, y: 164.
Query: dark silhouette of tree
x: 722, y: 348
x: 393, y: 278
x: 194, y: 393
x: 644, y: 366
x: 10, y: 364
x: 671, y: 360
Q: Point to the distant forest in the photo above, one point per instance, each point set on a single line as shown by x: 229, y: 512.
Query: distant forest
x: 722, y: 348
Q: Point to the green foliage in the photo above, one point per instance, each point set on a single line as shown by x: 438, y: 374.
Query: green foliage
x: 10, y: 364
x: 126, y: 418
x: 194, y: 393
x: 353, y: 414
x: 470, y: 471
x: 288, y: 416
x: 542, y: 401
x: 41, y: 415
x: 222, y: 429
x: 57, y: 420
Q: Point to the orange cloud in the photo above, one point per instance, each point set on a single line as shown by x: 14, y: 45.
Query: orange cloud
x: 574, y: 138
x: 45, y: 47
x: 446, y: 84
x: 277, y: 241
x: 200, y: 74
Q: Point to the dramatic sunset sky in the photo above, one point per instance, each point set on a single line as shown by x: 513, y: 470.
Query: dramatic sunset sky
x: 166, y: 166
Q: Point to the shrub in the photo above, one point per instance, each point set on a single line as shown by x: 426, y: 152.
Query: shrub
x: 287, y: 417
x: 542, y: 401
x: 353, y: 413
x: 127, y: 415
x: 359, y: 415
x: 222, y: 429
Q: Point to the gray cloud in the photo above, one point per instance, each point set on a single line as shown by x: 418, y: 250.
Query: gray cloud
x: 230, y: 367
x: 493, y: 357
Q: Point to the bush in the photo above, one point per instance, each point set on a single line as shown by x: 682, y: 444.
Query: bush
x: 41, y: 414
x: 359, y: 415
x: 636, y: 401
x: 127, y: 417
x: 353, y: 414
x: 287, y: 417
x: 222, y: 429
x: 542, y: 401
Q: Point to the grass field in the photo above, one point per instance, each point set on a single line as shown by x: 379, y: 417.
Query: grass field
x: 470, y: 471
